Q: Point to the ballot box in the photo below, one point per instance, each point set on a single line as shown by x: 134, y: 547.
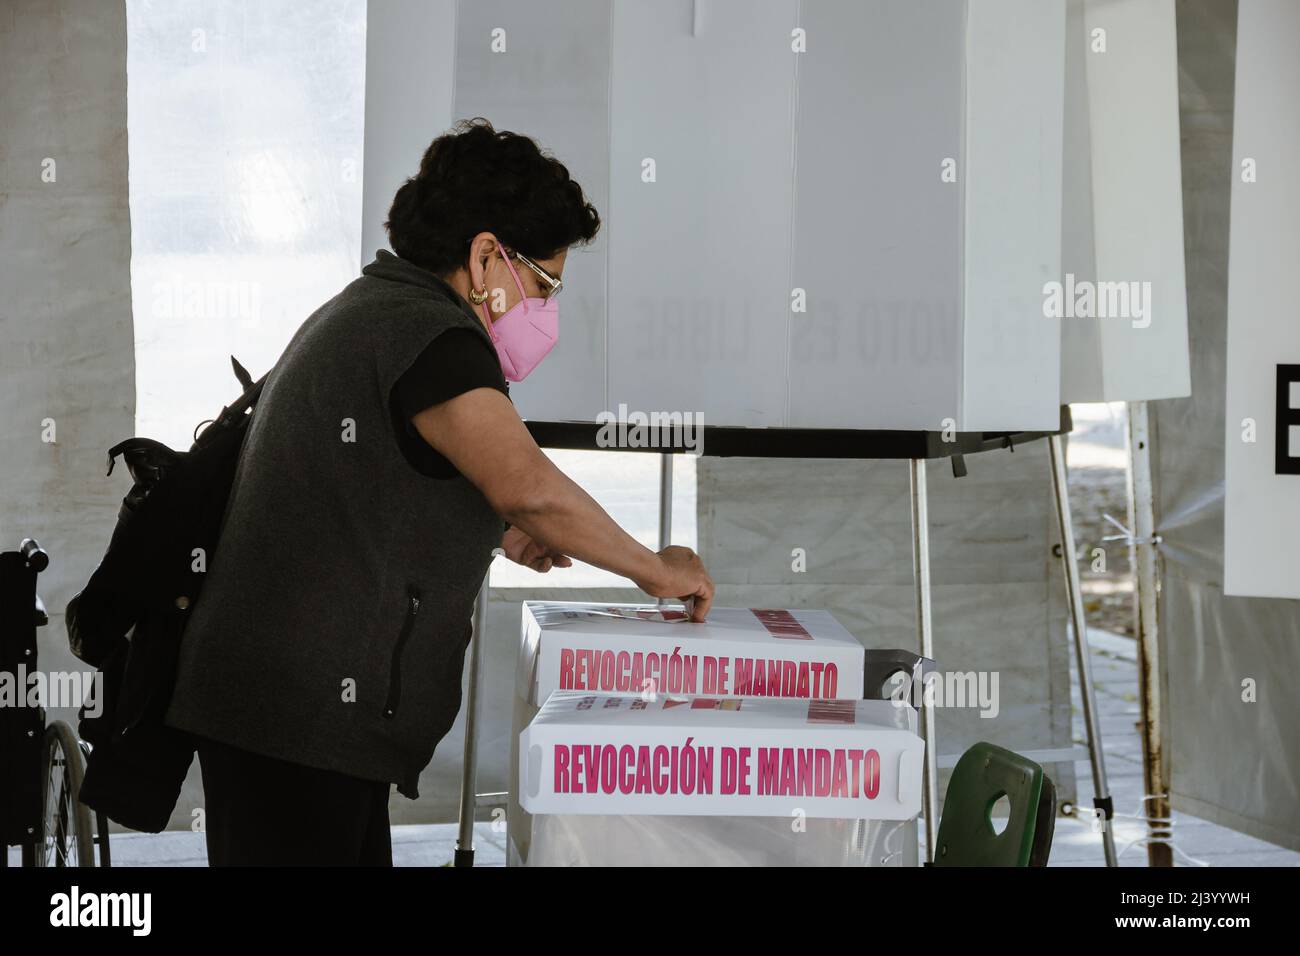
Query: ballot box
x: 676, y: 780
x: 637, y: 649
x: 645, y: 650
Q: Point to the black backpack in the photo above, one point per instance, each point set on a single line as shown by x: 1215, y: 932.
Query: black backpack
x: 128, y: 619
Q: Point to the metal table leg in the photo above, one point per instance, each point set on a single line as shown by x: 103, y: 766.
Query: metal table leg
x: 921, y: 577
x: 469, y: 777
x: 665, y: 506
x: 1070, y: 565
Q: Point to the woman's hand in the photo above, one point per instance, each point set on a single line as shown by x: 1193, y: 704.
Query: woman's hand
x: 681, y: 575
x: 521, y: 549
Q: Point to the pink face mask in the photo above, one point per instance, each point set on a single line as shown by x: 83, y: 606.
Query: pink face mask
x: 525, y: 333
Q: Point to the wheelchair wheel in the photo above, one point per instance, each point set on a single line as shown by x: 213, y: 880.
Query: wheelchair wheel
x: 66, y: 837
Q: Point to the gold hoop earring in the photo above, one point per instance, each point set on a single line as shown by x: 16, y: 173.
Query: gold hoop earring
x: 478, y: 298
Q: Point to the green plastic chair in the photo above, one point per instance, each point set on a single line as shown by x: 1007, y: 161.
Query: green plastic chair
x: 983, y: 775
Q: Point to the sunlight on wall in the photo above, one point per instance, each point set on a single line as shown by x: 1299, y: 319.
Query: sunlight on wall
x: 245, y: 124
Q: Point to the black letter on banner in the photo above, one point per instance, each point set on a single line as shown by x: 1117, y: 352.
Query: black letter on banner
x: 1288, y: 417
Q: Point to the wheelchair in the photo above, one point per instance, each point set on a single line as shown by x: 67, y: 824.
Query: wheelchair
x: 41, y: 766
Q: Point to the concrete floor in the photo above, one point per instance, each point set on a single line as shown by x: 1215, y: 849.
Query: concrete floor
x: 1114, y: 670
x: 1114, y: 665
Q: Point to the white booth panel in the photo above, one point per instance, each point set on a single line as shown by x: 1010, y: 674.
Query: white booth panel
x: 1136, y: 186
x: 731, y: 170
x: 877, y: 234
x: 410, y: 57
x: 1080, y: 339
x: 551, y: 82
x: 1262, y: 478
x: 699, y: 259
x: 1014, y: 104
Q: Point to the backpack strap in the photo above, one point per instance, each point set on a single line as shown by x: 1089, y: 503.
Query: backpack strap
x: 231, y: 414
x: 241, y: 373
x: 251, y: 393
x: 142, y: 456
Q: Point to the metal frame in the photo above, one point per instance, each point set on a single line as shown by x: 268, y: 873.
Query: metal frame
x: 1144, y: 543
x: 464, y: 855
x: 665, y: 505
x: 921, y: 578
x: 1079, y: 626
x: 917, y: 447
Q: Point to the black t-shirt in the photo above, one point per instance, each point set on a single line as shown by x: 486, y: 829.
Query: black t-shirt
x: 455, y: 362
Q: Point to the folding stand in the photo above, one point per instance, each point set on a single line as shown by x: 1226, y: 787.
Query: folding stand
x: 917, y: 447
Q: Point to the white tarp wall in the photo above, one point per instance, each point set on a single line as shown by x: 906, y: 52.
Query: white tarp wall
x: 782, y: 245
x: 1229, y: 663
x: 1123, y: 204
x: 67, y: 350
x: 1262, y: 438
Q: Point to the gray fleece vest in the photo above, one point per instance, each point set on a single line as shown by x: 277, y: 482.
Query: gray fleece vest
x: 333, y: 623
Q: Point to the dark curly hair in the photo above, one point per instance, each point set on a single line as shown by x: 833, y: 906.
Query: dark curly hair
x: 474, y: 179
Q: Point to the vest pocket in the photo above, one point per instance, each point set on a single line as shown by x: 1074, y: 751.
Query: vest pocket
x: 395, y: 671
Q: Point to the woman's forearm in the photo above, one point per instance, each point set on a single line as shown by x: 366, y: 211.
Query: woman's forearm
x: 481, y: 434
x: 563, y: 517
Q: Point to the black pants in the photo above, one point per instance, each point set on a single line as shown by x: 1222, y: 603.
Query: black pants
x: 260, y: 811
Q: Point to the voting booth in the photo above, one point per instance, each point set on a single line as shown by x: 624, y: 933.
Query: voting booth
x: 848, y: 210
x: 830, y: 229
x: 886, y: 214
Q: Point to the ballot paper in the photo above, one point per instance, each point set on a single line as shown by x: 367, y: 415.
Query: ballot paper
x: 645, y: 650
x: 675, y: 755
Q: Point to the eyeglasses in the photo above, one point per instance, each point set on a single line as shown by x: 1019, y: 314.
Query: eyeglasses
x: 551, y: 284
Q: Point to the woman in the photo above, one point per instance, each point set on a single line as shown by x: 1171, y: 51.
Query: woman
x: 382, y: 466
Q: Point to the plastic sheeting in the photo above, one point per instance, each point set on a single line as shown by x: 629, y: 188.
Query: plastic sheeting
x: 1234, y: 757
x: 719, y: 841
x: 996, y: 588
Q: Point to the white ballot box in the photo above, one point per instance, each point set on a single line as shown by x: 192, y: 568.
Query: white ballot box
x: 640, y: 649
x: 645, y: 649
x: 675, y: 780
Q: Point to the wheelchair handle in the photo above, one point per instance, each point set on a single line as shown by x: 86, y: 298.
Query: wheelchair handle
x: 34, y: 555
